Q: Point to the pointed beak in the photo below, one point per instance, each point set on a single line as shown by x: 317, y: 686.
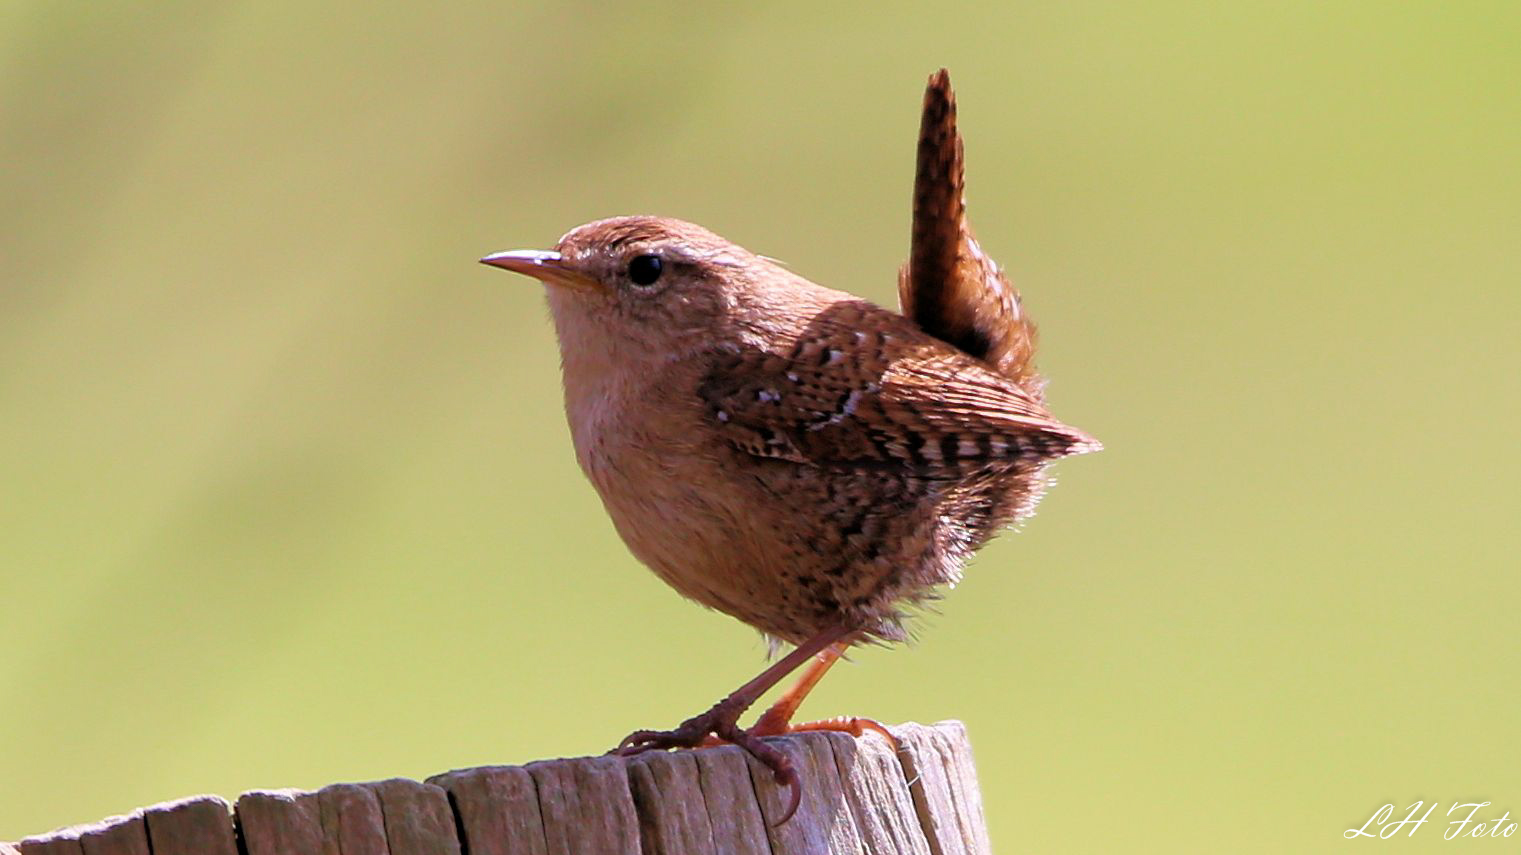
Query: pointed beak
x: 547, y: 267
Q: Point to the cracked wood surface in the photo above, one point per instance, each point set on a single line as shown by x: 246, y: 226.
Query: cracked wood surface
x: 859, y: 796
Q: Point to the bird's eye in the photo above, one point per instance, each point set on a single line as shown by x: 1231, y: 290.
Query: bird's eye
x: 644, y: 270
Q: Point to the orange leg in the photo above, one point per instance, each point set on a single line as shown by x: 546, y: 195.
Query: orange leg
x: 721, y: 721
x: 778, y: 718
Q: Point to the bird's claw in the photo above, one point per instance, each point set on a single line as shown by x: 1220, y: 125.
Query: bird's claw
x: 781, y: 769
x: 641, y: 741
x: 854, y: 725
x: 718, y: 726
x: 692, y: 733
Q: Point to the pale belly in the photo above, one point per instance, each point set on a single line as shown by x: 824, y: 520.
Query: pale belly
x: 784, y: 547
x: 702, y: 527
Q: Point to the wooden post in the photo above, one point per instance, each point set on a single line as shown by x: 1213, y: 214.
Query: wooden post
x: 859, y: 796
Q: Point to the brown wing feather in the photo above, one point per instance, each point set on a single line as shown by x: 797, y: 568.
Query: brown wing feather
x: 949, y: 286
x: 861, y: 392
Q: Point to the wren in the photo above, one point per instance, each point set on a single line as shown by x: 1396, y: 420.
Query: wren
x: 794, y: 456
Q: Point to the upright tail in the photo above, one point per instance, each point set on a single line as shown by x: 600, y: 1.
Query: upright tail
x: 949, y: 286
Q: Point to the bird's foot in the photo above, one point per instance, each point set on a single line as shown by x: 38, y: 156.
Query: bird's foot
x: 720, y: 721
x: 717, y: 726
x: 769, y: 725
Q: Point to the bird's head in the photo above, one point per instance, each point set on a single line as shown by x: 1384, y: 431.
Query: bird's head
x: 637, y: 288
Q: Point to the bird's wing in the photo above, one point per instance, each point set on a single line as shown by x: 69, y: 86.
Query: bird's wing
x: 861, y: 399
x: 949, y: 286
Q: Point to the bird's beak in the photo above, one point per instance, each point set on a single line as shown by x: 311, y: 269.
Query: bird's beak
x: 547, y: 267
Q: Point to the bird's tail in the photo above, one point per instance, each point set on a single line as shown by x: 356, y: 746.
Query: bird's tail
x: 950, y: 286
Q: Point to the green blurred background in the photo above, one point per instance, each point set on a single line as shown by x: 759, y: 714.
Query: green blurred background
x: 288, y: 496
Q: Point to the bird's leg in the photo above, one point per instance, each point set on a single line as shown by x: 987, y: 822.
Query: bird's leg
x: 722, y: 720
x: 778, y: 718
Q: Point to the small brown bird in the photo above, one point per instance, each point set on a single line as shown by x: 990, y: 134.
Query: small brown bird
x: 791, y: 455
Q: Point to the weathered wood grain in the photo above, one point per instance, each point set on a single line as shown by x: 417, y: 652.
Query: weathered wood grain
x: 861, y: 796
x: 119, y: 835
x: 673, y: 813
x: 734, y: 812
x: 937, y: 761
x: 199, y: 825
x: 586, y: 806
x: 877, y: 795
x: 823, y: 822
x: 280, y: 822
x: 418, y: 819
x: 64, y: 841
x: 497, y: 809
x: 352, y: 823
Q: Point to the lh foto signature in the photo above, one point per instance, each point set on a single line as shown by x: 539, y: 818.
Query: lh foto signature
x: 1468, y: 824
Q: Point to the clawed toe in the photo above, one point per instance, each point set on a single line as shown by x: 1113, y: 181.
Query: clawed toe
x: 637, y: 739
x: 718, y: 729
x: 853, y: 725
x: 781, y: 769
x: 720, y: 724
x: 641, y: 741
x: 695, y: 732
